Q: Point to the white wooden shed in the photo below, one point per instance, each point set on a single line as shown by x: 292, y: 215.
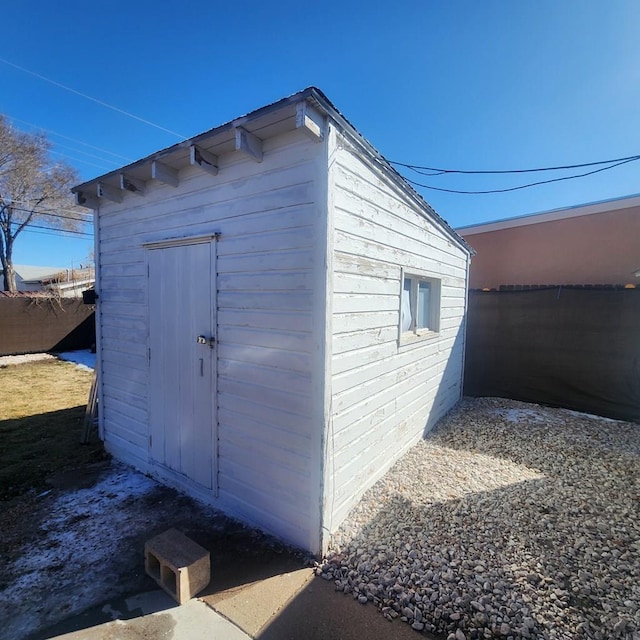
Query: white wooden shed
x: 280, y: 316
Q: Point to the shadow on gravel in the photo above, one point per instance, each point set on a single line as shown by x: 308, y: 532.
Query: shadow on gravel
x: 552, y: 557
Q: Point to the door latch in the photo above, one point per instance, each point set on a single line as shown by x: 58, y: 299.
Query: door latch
x: 204, y: 340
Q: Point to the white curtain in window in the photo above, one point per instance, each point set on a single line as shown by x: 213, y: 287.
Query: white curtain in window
x: 405, y: 307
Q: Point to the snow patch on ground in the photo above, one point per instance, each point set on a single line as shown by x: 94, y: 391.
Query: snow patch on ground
x: 546, y: 415
x: 27, y: 357
x: 84, y: 359
x: 93, y: 513
x: 524, y: 415
x: 82, y: 532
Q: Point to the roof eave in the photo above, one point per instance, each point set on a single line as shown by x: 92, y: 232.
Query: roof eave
x: 201, y: 137
x: 320, y: 101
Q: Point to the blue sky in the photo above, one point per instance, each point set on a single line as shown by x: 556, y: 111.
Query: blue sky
x: 456, y: 84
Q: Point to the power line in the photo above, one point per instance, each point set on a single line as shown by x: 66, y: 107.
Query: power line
x: 49, y: 212
x: 87, y: 97
x: 53, y: 215
x: 75, y: 233
x: 61, y: 135
x: 57, y: 209
x: 37, y: 226
x: 53, y: 232
x: 31, y: 225
x: 417, y: 168
x: 522, y: 186
x: 86, y: 153
x: 91, y: 164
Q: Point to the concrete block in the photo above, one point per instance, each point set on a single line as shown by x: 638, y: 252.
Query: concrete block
x: 178, y: 564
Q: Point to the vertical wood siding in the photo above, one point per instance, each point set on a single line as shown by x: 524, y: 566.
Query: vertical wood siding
x: 268, y: 216
x: 385, y: 395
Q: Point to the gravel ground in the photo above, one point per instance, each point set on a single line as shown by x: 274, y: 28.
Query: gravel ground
x: 510, y: 520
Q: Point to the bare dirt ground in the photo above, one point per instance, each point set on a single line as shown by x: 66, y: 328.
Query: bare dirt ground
x: 70, y: 549
x: 73, y: 523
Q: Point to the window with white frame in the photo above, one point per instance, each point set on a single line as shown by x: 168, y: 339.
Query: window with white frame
x: 420, y: 305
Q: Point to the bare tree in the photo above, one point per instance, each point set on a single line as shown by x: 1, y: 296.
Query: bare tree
x: 32, y: 189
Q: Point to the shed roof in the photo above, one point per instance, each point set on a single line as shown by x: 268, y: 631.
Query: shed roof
x: 265, y: 122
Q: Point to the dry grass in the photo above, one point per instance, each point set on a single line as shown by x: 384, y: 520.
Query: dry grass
x: 42, y: 406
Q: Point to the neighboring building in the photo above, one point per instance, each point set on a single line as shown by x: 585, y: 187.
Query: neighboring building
x: 57, y: 281
x: 69, y: 283
x: 29, y: 278
x: 595, y: 243
x: 251, y: 343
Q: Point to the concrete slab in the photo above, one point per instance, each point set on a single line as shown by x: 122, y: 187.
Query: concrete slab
x: 191, y: 621
x: 252, y: 606
x: 256, y: 591
x: 145, y: 616
x: 296, y: 604
x: 273, y: 596
x: 318, y: 612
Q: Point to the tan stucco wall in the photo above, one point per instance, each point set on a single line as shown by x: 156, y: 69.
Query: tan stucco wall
x: 602, y: 248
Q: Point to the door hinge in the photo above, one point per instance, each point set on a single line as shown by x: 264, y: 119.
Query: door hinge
x: 149, y: 354
x: 150, y: 441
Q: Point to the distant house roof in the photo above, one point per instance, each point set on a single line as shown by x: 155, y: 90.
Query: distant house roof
x: 601, y: 206
x: 30, y: 273
x: 86, y: 274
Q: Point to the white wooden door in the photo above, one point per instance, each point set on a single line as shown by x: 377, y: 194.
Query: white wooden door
x: 182, y: 359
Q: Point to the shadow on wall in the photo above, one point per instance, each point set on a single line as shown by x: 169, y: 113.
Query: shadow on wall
x: 450, y: 389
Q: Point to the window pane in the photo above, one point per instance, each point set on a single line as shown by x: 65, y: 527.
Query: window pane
x: 405, y: 311
x: 424, y: 305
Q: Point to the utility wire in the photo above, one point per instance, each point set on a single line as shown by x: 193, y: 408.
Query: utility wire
x: 61, y: 135
x: 87, y: 162
x: 522, y: 186
x: 53, y: 232
x: 434, y: 171
x: 37, y: 226
x: 57, y: 209
x: 86, y: 153
x: 438, y: 171
x: 87, y: 97
x: 75, y: 233
x: 53, y: 215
